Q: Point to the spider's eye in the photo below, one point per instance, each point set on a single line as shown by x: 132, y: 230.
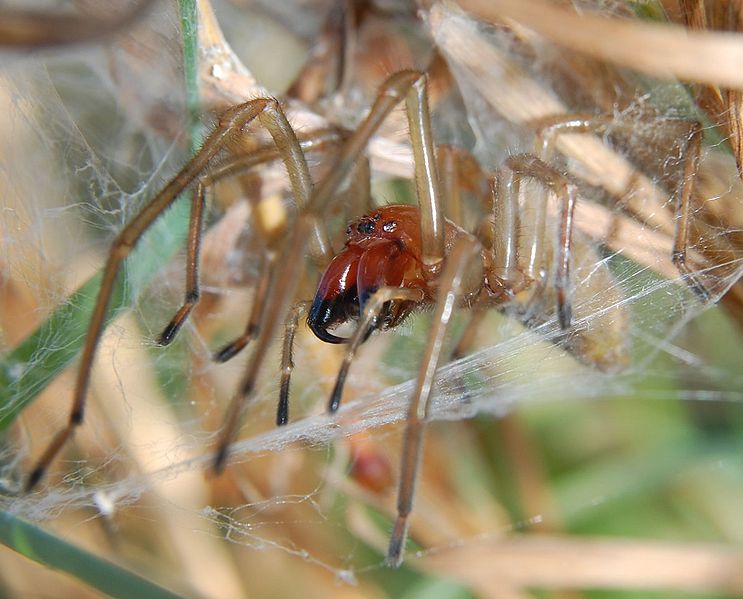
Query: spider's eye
x: 389, y: 226
x: 365, y: 227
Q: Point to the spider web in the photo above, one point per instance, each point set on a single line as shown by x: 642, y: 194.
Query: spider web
x: 91, y: 134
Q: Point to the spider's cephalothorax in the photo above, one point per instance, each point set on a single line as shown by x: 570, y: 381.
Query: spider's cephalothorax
x: 383, y: 249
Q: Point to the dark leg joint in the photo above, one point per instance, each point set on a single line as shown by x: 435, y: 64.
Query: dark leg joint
x: 335, y: 397
x: 76, y: 418
x: 678, y: 257
x: 247, y: 388
x: 282, y: 412
x: 169, y: 333
x: 230, y: 350
x: 564, y: 310
x: 397, y: 542
x: 167, y: 336
x: 220, y: 460
x: 698, y: 288
x: 565, y: 316
x: 34, y: 478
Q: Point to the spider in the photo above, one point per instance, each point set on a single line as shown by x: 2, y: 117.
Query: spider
x: 396, y: 260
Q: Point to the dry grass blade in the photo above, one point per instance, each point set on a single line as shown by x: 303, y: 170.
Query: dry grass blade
x: 724, y: 105
x: 661, y: 50
x: 568, y: 562
x: 24, y: 29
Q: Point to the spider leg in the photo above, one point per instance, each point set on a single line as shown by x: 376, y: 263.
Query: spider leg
x: 327, y: 68
x: 195, y: 228
x: 459, y: 171
x: 372, y: 309
x: 231, y: 349
x: 467, y: 338
x: 683, y: 214
x: 231, y: 123
x: 238, y: 164
x: 358, y: 197
x: 426, y: 177
x: 549, y: 129
x: 505, y: 227
x: 287, y: 361
x: 528, y: 165
x: 448, y: 160
x: 316, y: 141
x: 450, y: 289
x: 404, y: 85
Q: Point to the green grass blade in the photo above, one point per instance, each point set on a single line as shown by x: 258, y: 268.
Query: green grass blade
x: 189, y: 31
x: 40, y: 546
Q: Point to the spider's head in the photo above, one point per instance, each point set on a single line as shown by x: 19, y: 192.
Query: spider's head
x: 400, y: 224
